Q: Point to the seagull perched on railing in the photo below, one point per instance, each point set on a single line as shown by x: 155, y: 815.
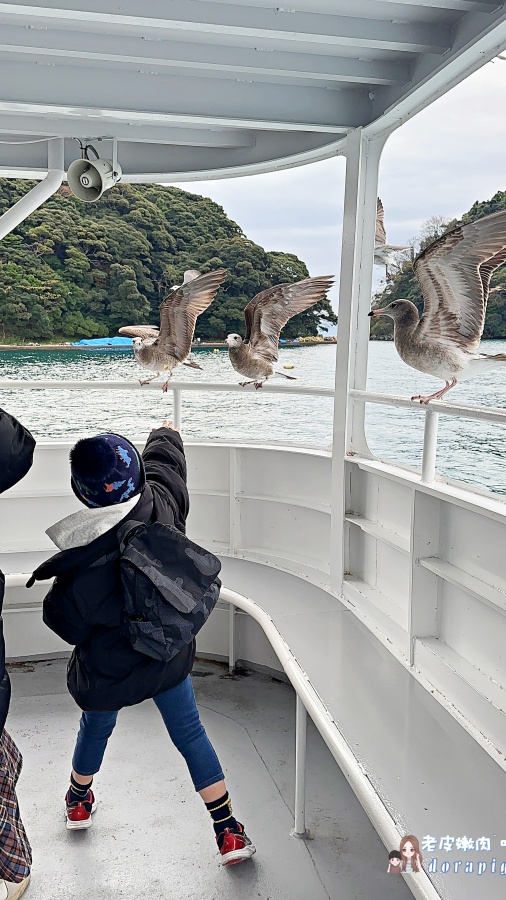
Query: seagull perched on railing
x: 164, y: 348
x: 454, y: 275
x: 265, y: 316
x: 384, y: 254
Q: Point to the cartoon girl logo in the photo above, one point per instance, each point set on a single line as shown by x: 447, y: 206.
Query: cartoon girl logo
x: 394, y: 862
x: 410, y: 852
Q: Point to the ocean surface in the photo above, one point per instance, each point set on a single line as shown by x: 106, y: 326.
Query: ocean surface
x: 469, y: 451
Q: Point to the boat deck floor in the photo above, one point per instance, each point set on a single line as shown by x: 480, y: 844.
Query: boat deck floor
x: 152, y: 837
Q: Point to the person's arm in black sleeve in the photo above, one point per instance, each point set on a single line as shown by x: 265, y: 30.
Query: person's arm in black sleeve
x: 165, y: 466
x: 61, y: 614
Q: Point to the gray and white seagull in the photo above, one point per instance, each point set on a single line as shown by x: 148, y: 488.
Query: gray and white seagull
x: 265, y: 316
x: 384, y: 254
x: 162, y: 349
x: 454, y: 275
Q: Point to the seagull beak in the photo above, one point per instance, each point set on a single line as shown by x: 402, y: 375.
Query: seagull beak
x: 376, y: 312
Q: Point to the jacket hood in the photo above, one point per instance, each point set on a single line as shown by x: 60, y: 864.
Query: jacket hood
x: 16, y: 451
x: 104, y: 545
x: 85, y: 525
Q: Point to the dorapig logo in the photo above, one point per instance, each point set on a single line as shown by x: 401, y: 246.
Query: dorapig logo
x: 407, y: 858
x: 464, y: 857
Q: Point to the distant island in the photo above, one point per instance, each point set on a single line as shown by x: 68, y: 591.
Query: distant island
x: 403, y: 283
x: 74, y: 270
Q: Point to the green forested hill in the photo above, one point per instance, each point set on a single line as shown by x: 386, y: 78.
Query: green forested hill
x: 75, y: 270
x: 404, y: 284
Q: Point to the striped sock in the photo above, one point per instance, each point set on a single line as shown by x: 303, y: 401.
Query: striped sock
x: 78, y: 792
x: 221, y: 814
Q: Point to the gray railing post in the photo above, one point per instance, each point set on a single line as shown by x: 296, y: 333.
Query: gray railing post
x: 299, y: 829
x: 232, y: 655
x: 429, y: 446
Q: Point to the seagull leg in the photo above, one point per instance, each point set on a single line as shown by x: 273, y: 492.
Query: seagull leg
x: 244, y: 383
x: 439, y: 394
x: 192, y: 365
x: 282, y: 375
x: 165, y: 385
x: 149, y: 380
x: 258, y: 384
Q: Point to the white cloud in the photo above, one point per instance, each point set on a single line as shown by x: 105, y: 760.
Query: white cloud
x: 296, y: 210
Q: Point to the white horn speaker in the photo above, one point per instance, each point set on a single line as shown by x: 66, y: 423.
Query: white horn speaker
x: 88, y: 179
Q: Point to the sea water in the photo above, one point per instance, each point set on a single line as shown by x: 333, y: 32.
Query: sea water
x: 468, y: 450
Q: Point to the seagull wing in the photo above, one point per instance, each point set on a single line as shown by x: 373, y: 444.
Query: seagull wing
x: 190, y: 274
x: 454, y: 275
x: 179, y: 312
x: 380, y: 237
x: 270, y: 310
x: 142, y: 331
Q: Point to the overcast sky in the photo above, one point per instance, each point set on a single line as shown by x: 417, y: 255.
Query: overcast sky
x: 439, y: 163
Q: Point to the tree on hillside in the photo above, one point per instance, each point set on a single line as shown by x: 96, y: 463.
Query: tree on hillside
x: 75, y: 270
x: 251, y: 270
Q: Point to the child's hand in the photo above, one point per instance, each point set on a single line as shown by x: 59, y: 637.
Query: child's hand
x: 166, y: 424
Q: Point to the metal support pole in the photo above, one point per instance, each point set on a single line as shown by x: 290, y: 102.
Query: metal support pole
x: 299, y: 829
x: 177, y: 406
x: 232, y: 656
x: 40, y: 193
x: 114, y: 156
x: 361, y: 189
x: 429, y: 446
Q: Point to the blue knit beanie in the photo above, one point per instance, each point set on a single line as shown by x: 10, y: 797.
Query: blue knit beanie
x: 106, y: 469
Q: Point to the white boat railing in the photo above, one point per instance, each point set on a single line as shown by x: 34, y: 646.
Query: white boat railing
x: 309, y: 702
x: 432, y: 410
x: 177, y: 388
x: 409, y: 642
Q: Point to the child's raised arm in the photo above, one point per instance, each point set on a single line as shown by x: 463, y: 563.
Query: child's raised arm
x: 165, y: 466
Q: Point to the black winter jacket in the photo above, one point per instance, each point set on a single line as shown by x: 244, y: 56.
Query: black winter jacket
x: 85, y: 603
x: 16, y: 455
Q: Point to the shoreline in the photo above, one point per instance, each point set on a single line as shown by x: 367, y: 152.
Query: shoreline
x: 218, y: 345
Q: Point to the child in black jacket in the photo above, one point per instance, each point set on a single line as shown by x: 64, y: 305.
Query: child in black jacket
x: 86, y: 607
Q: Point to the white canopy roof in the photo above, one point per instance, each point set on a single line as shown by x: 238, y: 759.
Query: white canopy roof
x: 202, y: 89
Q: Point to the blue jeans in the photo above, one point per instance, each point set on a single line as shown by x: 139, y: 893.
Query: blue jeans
x: 181, y: 717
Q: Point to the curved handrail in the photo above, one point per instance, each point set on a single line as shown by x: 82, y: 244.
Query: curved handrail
x: 419, y: 883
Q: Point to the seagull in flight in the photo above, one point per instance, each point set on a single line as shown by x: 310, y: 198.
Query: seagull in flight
x: 189, y: 275
x: 162, y: 349
x: 454, y: 276
x: 384, y: 254
x: 265, y: 316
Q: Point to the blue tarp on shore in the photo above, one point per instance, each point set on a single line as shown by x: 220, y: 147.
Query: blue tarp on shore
x: 104, y: 342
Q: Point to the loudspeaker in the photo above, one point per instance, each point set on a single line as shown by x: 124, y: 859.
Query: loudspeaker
x: 88, y: 179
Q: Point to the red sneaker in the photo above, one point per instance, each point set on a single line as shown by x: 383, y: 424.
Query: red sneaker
x: 78, y: 814
x: 234, y: 846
